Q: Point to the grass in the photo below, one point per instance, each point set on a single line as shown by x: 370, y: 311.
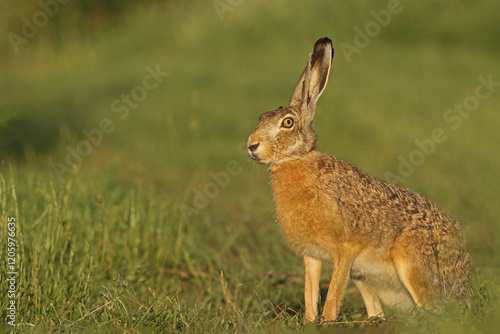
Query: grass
x: 109, y: 247
x: 122, y: 260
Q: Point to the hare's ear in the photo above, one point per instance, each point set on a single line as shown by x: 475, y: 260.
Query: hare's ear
x: 313, y: 80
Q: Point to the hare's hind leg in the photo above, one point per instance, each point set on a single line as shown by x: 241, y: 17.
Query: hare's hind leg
x: 414, y: 276
x: 371, y: 299
x: 313, y: 272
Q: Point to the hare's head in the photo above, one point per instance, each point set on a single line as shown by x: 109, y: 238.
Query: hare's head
x: 286, y: 133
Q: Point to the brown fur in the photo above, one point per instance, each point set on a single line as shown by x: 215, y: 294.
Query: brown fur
x: 399, y: 248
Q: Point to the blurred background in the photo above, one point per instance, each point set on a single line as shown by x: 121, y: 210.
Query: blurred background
x: 161, y: 95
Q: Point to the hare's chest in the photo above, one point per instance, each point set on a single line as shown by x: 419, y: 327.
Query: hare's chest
x: 308, y: 220
x: 305, y: 238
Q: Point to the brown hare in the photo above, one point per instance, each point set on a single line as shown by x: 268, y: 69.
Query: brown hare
x: 398, y: 247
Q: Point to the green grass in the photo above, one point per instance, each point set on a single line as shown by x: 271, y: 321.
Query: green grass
x: 108, y: 247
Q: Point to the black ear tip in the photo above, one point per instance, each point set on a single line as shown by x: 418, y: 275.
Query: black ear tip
x: 323, y: 42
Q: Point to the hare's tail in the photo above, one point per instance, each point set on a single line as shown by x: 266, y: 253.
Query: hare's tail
x: 452, y: 271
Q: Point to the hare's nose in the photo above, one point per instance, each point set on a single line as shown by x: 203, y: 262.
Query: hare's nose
x: 253, y: 148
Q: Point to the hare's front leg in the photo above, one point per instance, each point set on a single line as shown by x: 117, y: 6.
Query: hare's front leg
x: 341, y: 267
x: 313, y: 272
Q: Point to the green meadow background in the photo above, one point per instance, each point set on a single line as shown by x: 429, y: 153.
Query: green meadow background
x: 162, y: 223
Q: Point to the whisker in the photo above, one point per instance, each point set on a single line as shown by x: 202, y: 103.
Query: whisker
x: 276, y: 152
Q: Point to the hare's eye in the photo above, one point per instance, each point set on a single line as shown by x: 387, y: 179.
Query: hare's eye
x: 287, y: 123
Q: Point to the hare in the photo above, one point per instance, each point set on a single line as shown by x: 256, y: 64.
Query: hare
x: 398, y: 247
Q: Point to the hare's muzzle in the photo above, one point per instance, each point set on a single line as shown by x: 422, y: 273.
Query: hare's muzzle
x: 251, y: 150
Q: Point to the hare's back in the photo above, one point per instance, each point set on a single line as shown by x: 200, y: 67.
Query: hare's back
x: 378, y: 202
